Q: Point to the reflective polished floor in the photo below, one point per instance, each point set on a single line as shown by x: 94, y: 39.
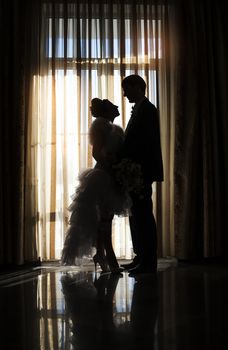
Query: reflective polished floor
x: 182, y: 307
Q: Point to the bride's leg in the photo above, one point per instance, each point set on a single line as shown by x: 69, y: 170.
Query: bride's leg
x: 100, y: 244
x: 106, y: 224
x: 100, y: 256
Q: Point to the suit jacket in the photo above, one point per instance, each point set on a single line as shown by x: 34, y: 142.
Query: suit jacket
x: 142, y: 142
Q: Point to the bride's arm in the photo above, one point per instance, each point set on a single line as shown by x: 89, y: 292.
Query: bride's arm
x: 98, y: 133
x: 98, y: 152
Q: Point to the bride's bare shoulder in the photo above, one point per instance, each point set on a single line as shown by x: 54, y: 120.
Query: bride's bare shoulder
x: 99, y: 128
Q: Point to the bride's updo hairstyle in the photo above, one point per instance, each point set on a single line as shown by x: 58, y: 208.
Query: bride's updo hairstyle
x: 104, y: 109
x: 97, y: 107
x: 110, y: 111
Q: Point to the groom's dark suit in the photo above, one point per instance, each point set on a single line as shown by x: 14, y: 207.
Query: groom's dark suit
x: 142, y: 145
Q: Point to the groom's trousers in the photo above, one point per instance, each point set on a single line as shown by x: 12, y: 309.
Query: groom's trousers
x: 143, y: 228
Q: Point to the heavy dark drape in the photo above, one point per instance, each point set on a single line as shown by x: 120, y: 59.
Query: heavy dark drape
x: 19, y: 31
x: 201, y: 123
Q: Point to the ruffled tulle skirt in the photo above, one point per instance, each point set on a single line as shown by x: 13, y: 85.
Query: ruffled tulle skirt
x: 97, y: 195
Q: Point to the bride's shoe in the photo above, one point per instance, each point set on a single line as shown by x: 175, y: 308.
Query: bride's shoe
x: 101, y: 260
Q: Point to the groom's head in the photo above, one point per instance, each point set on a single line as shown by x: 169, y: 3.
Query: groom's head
x: 134, y: 87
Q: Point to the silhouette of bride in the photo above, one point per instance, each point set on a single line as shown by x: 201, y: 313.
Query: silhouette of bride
x: 99, y: 196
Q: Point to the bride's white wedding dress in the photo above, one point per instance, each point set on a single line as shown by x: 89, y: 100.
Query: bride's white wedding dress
x: 98, y: 193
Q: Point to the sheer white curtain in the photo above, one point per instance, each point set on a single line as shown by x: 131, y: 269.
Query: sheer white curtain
x: 85, y: 51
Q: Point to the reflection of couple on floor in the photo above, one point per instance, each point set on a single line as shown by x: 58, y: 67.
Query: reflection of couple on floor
x: 92, y: 308
x: 100, y: 195
x: 89, y: 304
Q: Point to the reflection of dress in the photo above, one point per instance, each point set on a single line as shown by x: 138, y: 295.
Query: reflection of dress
x: 97, y: 195
x: 89, y: 305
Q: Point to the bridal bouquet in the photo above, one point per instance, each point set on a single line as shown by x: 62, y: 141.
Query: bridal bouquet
x: 129, y: 175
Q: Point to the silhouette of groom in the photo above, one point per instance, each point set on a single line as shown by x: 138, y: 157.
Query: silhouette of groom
x: 142, y: 145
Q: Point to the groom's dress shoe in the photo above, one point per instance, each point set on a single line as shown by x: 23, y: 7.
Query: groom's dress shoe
x: 117, y: 271
x: 131, y: 265
x: 142, y: 269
